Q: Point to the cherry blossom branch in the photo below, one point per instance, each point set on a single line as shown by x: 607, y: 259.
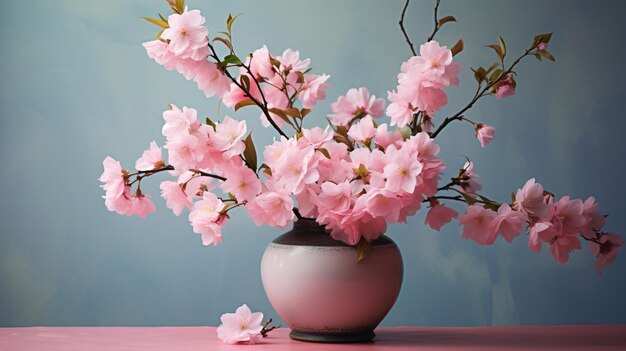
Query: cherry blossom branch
x: 401, y: 23
x: 437, y: 25
x: 263, y: 105
x: 142, y: 174
x: 479, y: 94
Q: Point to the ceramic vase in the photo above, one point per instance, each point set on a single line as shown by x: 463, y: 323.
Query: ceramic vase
x: 320, y: 289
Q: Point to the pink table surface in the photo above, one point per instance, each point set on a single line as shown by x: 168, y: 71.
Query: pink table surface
x: 394, y: 338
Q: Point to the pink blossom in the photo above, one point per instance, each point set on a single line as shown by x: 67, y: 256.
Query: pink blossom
x: 290, y: 61
x: 243, y: 183
x: 538, y: 233
x: 317, y: 136
x: 401, y: 109
x: 272, y: 208
x: 568, y: 216
x: 314, y: 89
x: 595, y: 220
x: 227, y: 137
x: 141, y: 205
x: 384, y: 138
x: 307, y: 200
x: 530, y: 199
x: 187, y: 36
x: 185, y: 152
x: 363, y: 130
x: 411, y: 203
x: 542, y: 46
x: 272, y: 154
x: 401, y: 173
x: 176, y: 199
x: 356, y: 103
x: 505, y: 87
x: 113, y: 177
x: 157, y: 50
x: 296, y: 168
x: 381, y: 204
x: 430, y: 100
x: 562, y: 246
x: 476, y: 221
x: 121, y: 204
x: 179, y: 122
x: 241, y: 326
x: 204, y: 218
x: 261, y: 65
x: 484, y: 134
x: 236, y: 95
x: 439, y: 215
x: 605, y: 249
x: 211, y: 80
x: 433, y: 59
x: 337, y: 197
x: 150, y: 159
x: 469, y: 184
x: 508, y: 223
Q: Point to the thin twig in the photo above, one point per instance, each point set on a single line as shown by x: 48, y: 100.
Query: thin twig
x: 437, y: 26
x: 479, y: 94
x: 401, y: 23
x: 263, y: 105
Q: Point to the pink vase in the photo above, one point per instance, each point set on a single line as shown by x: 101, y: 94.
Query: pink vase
x: 322, y: 292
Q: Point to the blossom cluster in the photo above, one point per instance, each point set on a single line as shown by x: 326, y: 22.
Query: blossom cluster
x: 353, y: 177
x: 559, y: 224
x: 421, y: 84
x: 281, y: 81
x: 183, y: 46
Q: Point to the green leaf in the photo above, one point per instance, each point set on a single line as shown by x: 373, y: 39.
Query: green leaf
x: 158, y: 36
x: 479, y: 74
x: 497, y: 49
x: 495, y: 75
x: 546, y: 54
x: 362, y: 249
x: 445, y: 20
x: 266, y: 169
x: 324, y: 152
x: 249, y: 153
x: 180, y: 6
x: 542, y: 38
x: 226, y: 42
x: 458, y: 47
x: 244, y: 103
x: 209, y: 122
x: 231, y: 59
x: 304, y: 112
x: 512, y: 197
x: 470, y: 200
x: 158, y: 22
x: 361, y: 171
x: 293, y: 112
x: 502, y: 46
x: 492, y: 67
x: 280, y: 113
x: 162, y: 18
x: 245, y: 81
x: 537, y: 56
x: 230, y: 21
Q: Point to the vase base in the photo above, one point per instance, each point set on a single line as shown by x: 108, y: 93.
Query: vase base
x: 333, y: 338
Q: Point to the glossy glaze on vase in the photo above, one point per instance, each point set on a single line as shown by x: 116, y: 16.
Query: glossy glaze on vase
x: 322, y: 292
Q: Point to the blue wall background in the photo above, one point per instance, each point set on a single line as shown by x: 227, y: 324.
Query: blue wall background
x: 77, y: 86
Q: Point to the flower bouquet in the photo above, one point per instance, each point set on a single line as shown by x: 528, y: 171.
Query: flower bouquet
x: 354, y: 176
